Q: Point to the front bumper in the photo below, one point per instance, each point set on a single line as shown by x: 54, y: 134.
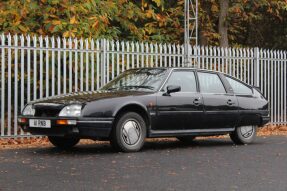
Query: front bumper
x: 83, y: 128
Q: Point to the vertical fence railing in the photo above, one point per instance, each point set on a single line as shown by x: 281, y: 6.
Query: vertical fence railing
x: 39, y: 67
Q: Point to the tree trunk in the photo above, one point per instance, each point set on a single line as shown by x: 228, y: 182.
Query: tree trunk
x: 223, y: 25
x: 206, y: 9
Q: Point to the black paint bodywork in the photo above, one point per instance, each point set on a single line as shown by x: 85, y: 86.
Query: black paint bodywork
x: 177, y: 114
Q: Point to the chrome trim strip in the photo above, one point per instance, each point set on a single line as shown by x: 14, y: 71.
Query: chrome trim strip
x: 188, y: 92
x: 196, y: 111
x: 109, y: 122
x: 176, y: 132
x: 226, y: 94
x: 222, y: 111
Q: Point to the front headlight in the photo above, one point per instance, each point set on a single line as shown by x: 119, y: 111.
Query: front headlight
x: 28, y: 110
x: 71, y: 111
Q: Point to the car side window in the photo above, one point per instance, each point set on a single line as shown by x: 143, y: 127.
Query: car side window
x: 239, y: 88
x: 184, y: 79
x: 210, y: 83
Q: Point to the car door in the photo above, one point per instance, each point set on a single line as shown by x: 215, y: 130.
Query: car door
x: 183, y: 109
x: 247, y: 102
x: 220, y: 107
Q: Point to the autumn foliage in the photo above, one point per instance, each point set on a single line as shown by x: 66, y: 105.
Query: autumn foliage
x: 260, y: 23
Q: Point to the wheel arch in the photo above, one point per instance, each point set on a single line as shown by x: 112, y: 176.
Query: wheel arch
x: 249, y: 119
x: 134, y: 107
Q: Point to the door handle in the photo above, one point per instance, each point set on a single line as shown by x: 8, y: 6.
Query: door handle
x: 196, y: 101
x: 230, y: 102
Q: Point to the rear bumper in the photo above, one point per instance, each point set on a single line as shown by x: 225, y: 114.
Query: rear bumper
x: 265, y: 120
x: 84, y: 127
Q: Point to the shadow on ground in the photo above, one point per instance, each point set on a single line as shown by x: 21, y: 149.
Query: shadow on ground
x: 150, y: 146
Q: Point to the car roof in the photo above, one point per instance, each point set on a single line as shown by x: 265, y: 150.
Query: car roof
x: 183, y: 68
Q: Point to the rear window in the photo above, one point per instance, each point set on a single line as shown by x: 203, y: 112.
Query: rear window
x: 238, y: 87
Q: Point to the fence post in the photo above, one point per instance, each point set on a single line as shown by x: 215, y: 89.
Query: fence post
x: 195, y: 63
x: 3, y: 61
x: 256, y: 69
x: 103, y: 62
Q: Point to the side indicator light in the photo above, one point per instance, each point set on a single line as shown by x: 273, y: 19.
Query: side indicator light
x: 62, y: 122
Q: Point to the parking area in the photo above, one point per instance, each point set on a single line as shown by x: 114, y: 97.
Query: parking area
x: 212, y: 164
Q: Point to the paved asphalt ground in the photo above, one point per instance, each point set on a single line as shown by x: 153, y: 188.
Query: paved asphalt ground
x: 214, y: 164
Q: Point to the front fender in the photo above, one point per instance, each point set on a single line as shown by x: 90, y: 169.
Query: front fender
x: 129, y: 104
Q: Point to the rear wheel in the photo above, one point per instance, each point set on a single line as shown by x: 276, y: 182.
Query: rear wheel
x: 129, y: 132
x: 186, y: 139
x: 63, y: 142
x: 244, y: 135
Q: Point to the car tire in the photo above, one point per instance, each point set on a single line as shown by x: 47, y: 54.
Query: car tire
x: 187, y: 139
x: 63, y: 142
x: 244, y: 135
x: 129, y: 132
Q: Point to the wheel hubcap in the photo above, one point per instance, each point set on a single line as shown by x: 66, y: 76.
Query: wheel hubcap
x: 131, y: 132
x: 247, y: 131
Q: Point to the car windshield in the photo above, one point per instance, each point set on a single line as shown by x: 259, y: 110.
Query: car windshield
x: 138, y: 79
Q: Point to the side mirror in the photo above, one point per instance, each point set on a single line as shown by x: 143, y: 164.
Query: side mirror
x: 172, y: 89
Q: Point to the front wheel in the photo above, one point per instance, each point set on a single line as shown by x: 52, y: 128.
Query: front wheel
x: 244, y: 135
x: 63, y: 142
x: 129, y: 132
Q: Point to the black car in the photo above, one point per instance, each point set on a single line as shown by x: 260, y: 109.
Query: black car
x: 151, y: 102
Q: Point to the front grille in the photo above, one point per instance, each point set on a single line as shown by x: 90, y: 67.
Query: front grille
x: 47, y: 110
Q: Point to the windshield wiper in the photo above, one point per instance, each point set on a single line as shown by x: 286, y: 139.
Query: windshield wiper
x: 112, y: 88
x: 137, y: 87
x: 131, y: 87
